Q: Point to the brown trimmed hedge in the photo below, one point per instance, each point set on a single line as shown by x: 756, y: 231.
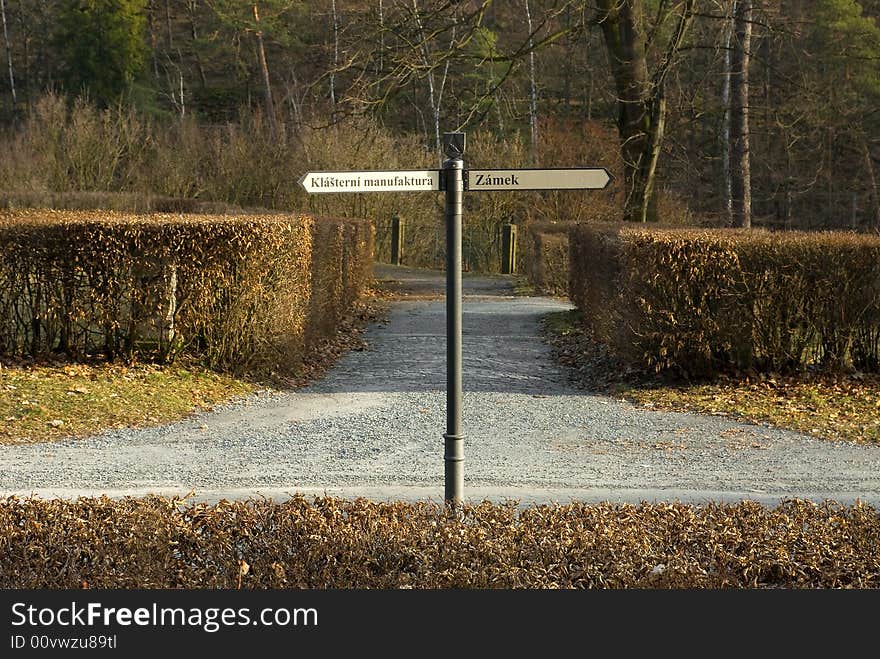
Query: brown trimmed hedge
x: 342, y: 264
x: 545, y: 257
x: 332, y: 543
x: 237, y: 292
x: 704, y: 301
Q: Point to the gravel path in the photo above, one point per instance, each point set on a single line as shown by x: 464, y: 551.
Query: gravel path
x: 373, y: 427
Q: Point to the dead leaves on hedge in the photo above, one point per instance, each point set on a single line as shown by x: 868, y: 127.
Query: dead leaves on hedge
x: 698, y: 302
x: 332, y: 543
x: 246, y: 293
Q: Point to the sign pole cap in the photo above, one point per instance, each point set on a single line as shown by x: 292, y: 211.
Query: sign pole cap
x: 453, y: 145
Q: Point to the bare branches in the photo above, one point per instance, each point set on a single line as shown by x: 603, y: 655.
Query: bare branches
x: 8, y: 52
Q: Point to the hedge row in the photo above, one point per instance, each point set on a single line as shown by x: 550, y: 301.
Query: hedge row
x: 342, y: 264
x: 238, y: 292
x: 333, y: 543
x: 545, y: 254
x: 703, y: 301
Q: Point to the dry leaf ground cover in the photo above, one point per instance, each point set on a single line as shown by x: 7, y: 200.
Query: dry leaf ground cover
x: 829, y: 406
x: 335, y: 543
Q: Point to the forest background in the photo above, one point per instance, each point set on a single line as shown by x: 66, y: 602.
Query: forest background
x: 231, y: 101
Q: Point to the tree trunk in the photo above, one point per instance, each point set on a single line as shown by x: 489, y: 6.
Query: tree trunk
x: 381, y: 41
x: 641, y: 98
x: 533, y: 84
x: 8, y: 54
x: 435, y: 92
x: 170, y: 32
x: 292, y: 91
x: 191, y: 7
x: 335, y: 61
x: 151, y: 28
x: 264, y: 70
x: 725, y: 128
x: 740, y: 167
x: 180, y: 88
x: 25, y: 32
x: 874, y: 193
x: 626, y: 53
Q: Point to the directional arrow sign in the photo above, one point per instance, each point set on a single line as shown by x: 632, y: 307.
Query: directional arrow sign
x: 393, y: 181
x: 581, y: 178
x: 455, y: 181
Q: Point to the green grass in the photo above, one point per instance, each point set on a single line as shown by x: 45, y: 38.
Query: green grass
x: 563, y: 323
x: 52, y: 401
x: 827, y: 406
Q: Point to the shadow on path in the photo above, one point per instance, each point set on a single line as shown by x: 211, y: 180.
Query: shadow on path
x: 502, y: 350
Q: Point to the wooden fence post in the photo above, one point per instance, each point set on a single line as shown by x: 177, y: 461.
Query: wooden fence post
x: 397, y: 226
x: 508, y: 249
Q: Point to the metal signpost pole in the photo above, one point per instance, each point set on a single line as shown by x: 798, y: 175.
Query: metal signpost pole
x: 452, y: 179
x: 453, y: 456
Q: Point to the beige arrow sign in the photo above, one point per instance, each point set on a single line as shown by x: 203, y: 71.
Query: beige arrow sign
x: 392, y: 181
x: 581, y: 178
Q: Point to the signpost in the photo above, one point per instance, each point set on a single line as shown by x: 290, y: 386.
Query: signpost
x: 393, y: 181
x: 538, y: 179
x: 455, y: 180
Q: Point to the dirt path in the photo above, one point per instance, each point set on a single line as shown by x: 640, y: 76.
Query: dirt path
x: 373, y: 427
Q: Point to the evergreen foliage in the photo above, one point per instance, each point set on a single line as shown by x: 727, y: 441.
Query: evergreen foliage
x: 101, y: 45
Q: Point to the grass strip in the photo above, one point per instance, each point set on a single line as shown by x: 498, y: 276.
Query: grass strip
x: 49, y: 401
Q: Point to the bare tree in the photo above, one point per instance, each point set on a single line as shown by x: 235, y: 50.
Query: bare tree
x: 533, y: 84
x: 873, y: 191
x: 641, y: 96
x: 435, y: 91
x: 8, y: 53
x: 264, y: 71
x: 174, y: 74
x: 194, y: 35
x: 740, y: 165
x: 725, y: 128
x: 409, y: 51
x: 381, y: 65
x: 335, y: 59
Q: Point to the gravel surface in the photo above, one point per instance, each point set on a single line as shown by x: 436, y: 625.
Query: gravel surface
x: 373, y: 427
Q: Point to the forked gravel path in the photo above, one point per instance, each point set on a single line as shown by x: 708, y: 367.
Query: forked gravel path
x: 373, y: 427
